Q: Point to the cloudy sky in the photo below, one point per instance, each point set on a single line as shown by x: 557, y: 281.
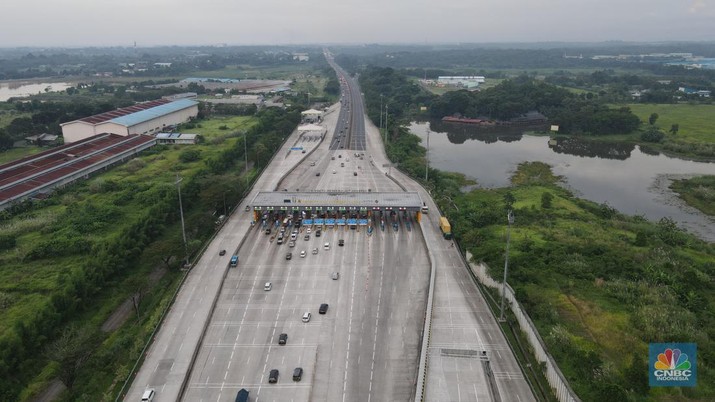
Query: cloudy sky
x: 189, y: 22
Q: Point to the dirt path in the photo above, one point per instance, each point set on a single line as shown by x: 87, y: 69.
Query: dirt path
x: 51, y: 393
x: 126, y: 309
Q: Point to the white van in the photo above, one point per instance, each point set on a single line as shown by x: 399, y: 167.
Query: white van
x: 148, y: 395
x: 268, y: 286
x: 306, y: 317
x: 327, y: 246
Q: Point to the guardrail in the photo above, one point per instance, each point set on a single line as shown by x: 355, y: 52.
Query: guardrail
x: 427, y: 329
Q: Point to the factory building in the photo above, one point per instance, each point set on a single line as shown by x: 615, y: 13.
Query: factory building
x: 143, y: 118
x: 470, y: 81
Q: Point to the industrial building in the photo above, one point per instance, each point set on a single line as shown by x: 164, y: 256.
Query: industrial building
x: 36, y: 175
x: 470, y: 81
x: 143, y: 118
x: 177, y: 138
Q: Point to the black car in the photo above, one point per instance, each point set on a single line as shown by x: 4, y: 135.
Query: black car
x: 222, y: 252
x: 273, y: 376
x: 282, y: 339
x: 289, y: 256
x: 341, y: 242
x: 317, y: 233
x: 298, y: 374
x: 323, y: 308
x: 268, y: 231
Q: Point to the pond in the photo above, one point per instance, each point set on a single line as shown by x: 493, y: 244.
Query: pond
x: 9, y: 89
x: 623, y: 176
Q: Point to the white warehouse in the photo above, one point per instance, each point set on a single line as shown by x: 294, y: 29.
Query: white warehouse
x: 143, y: 118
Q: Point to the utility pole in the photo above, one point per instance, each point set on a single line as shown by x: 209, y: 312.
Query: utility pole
x: 181, y: 212
x: 510, y: 220
x: 380, y: 111
x: 386, y: 124
x: 427, y: 157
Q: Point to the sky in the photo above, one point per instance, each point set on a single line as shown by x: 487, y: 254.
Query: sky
x: 76, y: 23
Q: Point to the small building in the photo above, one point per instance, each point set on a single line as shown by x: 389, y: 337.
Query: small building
x: 183, y: 95
x: 691, y: 91
x: 177, y: 138
x: 311, y: 115
x: 42, y: 139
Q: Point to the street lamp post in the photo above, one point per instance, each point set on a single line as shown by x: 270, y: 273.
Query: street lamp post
x: 386, y: 108
x: 427, y: 157
x: 181, y: 213
x: 380, y: 111
x: 510, y: 220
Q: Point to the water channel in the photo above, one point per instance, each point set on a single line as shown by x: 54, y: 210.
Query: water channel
x: 624, y: 176
x: 9, y: 89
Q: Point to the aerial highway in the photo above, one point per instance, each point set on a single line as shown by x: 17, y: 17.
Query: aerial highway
x: 231, y: 328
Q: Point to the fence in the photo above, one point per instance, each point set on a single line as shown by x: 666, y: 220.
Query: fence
x: 556, y: 379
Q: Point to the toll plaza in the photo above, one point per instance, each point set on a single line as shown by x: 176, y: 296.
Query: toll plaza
x: 336, y: 208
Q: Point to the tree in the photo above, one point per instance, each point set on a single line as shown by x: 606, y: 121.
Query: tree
x: 674, y: 129
x: 509, y: 200
x: 652, y: 119
x: 71, y: 350
x: 546, y: 199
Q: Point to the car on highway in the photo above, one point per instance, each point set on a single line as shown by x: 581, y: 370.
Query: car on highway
x: 268, y: 231
x: 341, y: 242
x: 297, y: 374
x: 334, y: 171
x: 312, y: 163
x: 291, y: 243
x: 318, y: 232
x: 354, y: 173
x: 280, y: 240
x: 148, y: 395
x: 289, y: 256
x: 268, y: 286
x: 307, y: 231
x: 317, y: 174
x: 282, y: 339
x: 306, y: 316
x: 335, y: 276
x: 323, y: 308
x: 222, y: 252
x: 273, y: 376
x: 315, y: 250
x: 326, y: 246
x: 306, y: 237
x: 303, y: 254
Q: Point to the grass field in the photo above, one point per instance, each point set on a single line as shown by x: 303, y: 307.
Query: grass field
x: 696, y: 122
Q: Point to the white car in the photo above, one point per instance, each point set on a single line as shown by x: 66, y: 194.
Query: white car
x: 315, y: 250
x: 327, y: 246
x: 302, y: 254
x: 307, y: 231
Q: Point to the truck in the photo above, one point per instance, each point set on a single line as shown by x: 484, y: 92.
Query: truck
x: 445, y: 227
x: 234, y: 260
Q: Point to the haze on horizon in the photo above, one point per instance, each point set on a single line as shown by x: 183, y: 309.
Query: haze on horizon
x: 76, y: 23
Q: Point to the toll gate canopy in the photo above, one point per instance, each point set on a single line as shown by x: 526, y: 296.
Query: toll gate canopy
x: 336, y: 200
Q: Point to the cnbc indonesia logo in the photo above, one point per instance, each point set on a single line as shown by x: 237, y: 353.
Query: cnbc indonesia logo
x: 672, y: 365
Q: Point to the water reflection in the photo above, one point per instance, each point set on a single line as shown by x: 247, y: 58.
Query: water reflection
x: 626, y: 177
x: 593, y: 149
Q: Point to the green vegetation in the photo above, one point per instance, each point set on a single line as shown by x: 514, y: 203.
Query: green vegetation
x: 598, y: 285
x: 67, y: 263
x: 696, y: 123
x: 698, y: 192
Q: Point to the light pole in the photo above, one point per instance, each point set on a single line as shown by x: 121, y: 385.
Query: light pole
x: 386, y: 124
x: 181, y: 213
x: 380, y: 111
x: 427, y: 157
x: 510, y: 220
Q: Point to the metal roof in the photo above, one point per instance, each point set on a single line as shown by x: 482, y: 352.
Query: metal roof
x: 102, y: 117
x: 337, y: 198
x: 175, y: 136
x: 158, y: 111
